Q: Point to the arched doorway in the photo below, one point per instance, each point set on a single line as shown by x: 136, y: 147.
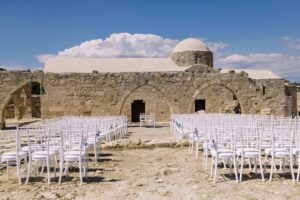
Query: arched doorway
x: 137, y: 107
x: 23, y: 102
x: 216, y: 98
x: 149, y: 99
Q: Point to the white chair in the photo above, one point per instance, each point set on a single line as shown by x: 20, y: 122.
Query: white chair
x: 93, y: 141
x: 296, y: 149
x: 47, y: 156
x: 223, y: 150
x: 248, y: 146
x: 281, y: 149
x: 75, y: 153
x: 142, y: 119
x: 15, y: 156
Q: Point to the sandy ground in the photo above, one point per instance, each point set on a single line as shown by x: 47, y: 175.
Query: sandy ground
x: 158, y: 173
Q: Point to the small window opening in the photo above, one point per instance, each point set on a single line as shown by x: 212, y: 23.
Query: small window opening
x: 264, y: 90
x: 199, y: 105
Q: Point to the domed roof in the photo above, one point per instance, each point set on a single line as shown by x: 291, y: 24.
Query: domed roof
x: 191, y: 44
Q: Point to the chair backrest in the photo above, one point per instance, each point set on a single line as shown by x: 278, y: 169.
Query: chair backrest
x: 224, y: 138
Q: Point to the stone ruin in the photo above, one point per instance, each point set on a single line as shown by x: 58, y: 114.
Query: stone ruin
x: 196, y: 85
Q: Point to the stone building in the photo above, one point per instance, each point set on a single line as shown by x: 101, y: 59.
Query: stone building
x: 298, y: 100
x: 185, y: 82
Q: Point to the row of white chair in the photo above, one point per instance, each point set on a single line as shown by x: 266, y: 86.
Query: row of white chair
x: 233, y: 139
x: 63, y: 140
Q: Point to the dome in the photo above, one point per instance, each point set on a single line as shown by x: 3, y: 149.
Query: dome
x: 191, y: 44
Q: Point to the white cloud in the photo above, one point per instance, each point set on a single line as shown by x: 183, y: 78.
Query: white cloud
x: 216, y: 46
x: 284, y: 65
x: 44, y: 57
x: 123, y: 45
x: 292, y: 42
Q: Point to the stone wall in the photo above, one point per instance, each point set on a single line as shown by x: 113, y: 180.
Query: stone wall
x: 298, y: 100
x: 291, y: 99
x: 188, y: 58
x: 154, y: 100
x: 12, y: 85
x: 162, y: 92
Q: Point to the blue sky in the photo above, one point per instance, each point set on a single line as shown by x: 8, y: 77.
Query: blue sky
x: 248, y: 28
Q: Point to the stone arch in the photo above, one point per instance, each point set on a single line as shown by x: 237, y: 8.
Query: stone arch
x: 207, y: 85
x: 13, y: 96
x: 160, y: 97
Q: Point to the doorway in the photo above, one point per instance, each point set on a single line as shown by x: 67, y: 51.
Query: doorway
x: 199, y: 104
x: 137, y: 107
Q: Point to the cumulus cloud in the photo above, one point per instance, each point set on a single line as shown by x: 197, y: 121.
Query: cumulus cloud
x: 284, y: 65
x: 216, y: 47
x: 292, y: 42
x: 44, y: 57
x: 124, y: 45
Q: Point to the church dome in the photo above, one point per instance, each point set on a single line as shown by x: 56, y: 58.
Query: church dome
x: 191, y: 44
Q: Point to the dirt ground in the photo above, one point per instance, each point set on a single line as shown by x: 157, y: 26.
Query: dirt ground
x: 158, y: 173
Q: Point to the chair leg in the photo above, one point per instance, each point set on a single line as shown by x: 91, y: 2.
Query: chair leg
x: 60, y: 171
x: 98, y: 150
x: 85, y: 169
x: 255, y: 166
x: 18, y: 171
x: 211, y: 166
x: 298, y: 172
x: 224, y: 164
x: 261, y: 169
x: 249, y: 162
x: 48, y: 170
x: 66, y: 169
x: 80, y: 172
x: 87, y: 162
x: 95, y: 154
x: 242, y: 165
x: 43, y: 167
x: 203, y: 158
x: 283, y: 165
x: 275, y: 167
x: 230, y: 167
x: 235, y: 169
x: 206, y: 159
x: 266, y: 162
x: 7, y: 171
x: 28, y: 171
x: 36, y: 168
x: 25, y: 162
x: 55, y: 160
x: 216, y: 168
x: 291, y: 168
x: 197, y: 150
x: 272, y: 167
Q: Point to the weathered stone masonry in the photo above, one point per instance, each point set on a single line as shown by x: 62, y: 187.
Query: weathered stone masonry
x: 163, y: 92
x: 183, y: 83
